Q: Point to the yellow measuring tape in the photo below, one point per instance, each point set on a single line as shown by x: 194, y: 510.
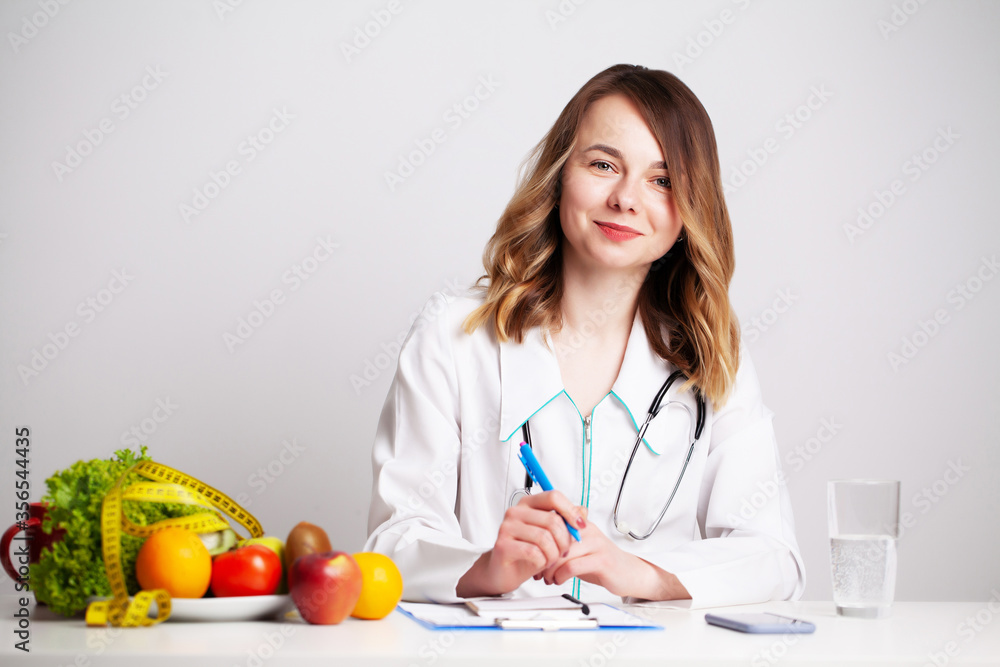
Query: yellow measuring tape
x: 168, y: 486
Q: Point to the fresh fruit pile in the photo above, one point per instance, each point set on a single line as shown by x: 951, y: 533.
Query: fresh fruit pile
x: 326, y: 585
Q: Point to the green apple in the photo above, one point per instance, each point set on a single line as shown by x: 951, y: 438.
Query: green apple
x: 278, y: 547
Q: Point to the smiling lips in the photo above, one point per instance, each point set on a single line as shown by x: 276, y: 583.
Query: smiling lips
x: 616, y: 232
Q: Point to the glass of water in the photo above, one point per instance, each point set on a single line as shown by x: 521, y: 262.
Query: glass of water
x: 864, y: 526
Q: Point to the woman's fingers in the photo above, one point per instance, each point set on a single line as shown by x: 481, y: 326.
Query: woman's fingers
x: 556, y: 501
x: 591, y: 564
x: 535, y: 529
x: 533, y: 538
x: 542, y: 514
x: 529, y: 541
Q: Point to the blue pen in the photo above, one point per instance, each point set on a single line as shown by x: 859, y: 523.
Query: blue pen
x: 534, y: 469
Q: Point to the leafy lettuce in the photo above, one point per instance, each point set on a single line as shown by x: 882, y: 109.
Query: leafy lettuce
x: 67, y: 575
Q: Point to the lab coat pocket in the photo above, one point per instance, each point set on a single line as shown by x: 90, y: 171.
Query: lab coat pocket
x: 654, y: 473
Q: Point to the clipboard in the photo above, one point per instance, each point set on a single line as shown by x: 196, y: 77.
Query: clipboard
x: 522, y: 614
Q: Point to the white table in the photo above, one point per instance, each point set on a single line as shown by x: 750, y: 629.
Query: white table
x: 917, y: 633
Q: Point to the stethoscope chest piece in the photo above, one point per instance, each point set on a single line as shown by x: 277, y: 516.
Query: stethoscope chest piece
x: 516, y: 497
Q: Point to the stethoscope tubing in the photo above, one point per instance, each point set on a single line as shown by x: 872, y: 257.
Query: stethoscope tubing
x: 654, y: 409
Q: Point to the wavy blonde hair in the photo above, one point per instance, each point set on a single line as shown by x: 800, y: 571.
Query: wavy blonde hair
x: 684, y: 301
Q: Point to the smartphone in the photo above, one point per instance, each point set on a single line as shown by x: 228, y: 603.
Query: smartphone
x: 762, y: 623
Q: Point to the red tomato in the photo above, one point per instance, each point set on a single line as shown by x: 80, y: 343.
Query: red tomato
x: 250, y: 570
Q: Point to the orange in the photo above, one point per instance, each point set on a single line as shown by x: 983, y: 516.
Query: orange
x: 381, y: 586
x: 174, y: 559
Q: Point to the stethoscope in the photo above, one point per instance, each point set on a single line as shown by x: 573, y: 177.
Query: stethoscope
x: 654, y: 409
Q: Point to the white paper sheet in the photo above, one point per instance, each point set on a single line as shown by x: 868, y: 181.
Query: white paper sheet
x: 443, y: 616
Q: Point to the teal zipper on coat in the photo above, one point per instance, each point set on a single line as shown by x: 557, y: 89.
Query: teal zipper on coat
x: 588, y: 460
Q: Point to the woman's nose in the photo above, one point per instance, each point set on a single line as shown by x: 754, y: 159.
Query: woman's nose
x: 624, y: 195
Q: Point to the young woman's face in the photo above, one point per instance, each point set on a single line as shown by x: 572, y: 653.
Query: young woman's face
x: 616, y: 209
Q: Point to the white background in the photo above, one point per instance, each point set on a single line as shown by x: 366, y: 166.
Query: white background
x: 891, y: 77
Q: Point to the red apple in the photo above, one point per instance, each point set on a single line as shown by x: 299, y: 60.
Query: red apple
x: 325, y: 586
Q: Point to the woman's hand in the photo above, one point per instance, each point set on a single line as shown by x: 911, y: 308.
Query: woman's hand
x: 597, y: 560
x: 531, y: 539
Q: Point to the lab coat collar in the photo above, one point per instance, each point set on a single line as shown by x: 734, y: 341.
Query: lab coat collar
x: 641, y: 375
x: 530, y: 378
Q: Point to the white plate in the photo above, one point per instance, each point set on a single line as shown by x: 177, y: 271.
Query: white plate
x: 248, y: 608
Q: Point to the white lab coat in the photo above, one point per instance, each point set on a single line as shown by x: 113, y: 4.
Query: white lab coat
x: 445, y: 465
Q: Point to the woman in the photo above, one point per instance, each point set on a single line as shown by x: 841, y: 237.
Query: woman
x: 608, y: 271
